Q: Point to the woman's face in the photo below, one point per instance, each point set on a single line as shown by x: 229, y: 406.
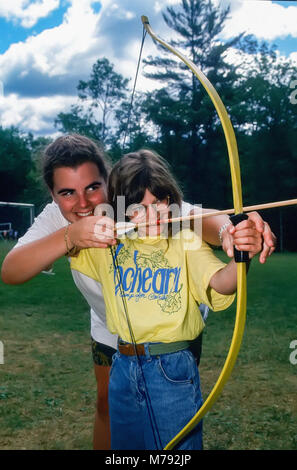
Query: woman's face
x: 150, y: 211
x: 77, y: 191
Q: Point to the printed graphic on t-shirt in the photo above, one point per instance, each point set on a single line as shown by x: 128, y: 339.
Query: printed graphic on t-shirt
x: 150, y: 277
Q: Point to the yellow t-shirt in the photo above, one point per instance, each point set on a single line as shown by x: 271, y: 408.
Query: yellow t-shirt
x: 161, y: 281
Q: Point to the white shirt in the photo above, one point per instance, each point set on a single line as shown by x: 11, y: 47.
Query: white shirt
x: 49, y: 221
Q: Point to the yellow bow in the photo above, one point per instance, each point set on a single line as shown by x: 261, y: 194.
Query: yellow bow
x: 241, y: 268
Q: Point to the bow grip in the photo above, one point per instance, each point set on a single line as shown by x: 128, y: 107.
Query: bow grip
x: 239, y: 256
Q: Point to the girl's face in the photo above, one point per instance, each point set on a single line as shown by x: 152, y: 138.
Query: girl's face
x: 77, y: 191
x: 150, y: 210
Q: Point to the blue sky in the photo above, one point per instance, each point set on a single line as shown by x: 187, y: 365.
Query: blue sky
x: 47, y: 46
x: 13, y: 31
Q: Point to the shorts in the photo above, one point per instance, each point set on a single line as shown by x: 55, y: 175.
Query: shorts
x: 102, y: 354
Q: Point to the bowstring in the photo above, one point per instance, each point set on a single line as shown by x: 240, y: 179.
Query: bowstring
x: 144, y: 32
x: 152, y: 418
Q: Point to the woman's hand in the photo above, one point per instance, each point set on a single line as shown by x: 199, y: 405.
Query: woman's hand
x: 269, y: 240
x: 241, y: 235
x: 246, y: 237
x: 92, y: 232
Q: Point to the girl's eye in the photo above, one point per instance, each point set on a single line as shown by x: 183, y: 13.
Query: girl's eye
x: 135, y: 210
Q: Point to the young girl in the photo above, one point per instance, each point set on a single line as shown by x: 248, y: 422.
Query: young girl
x: 152, y: 286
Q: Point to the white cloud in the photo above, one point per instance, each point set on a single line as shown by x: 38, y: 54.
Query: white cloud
x: 120, y: 24
x: 32, y: 114
x: 60, y: 56
x: 84, y: 36
x: 40, y: 74
x: 63, y: 50
x: 26, y: 11
x: 159, y: 5
x: 265, y: 19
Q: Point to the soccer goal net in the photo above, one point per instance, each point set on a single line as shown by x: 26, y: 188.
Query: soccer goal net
x: 15, y: 218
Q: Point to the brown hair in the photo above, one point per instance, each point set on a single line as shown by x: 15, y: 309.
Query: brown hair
x: 137, y: 171
x: 72, y: 150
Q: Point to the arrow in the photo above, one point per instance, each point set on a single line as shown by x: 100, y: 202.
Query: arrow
x: 126, y: 227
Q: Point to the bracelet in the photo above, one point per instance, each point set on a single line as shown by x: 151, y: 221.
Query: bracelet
x: 73, y: 251
x: 222, y: 229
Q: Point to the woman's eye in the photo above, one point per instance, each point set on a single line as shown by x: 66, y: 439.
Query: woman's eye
x: 93, y: 188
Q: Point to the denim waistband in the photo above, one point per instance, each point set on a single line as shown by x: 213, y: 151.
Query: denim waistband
x: 153, y: 349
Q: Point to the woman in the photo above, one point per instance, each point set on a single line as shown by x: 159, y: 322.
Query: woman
x: 76, y: 173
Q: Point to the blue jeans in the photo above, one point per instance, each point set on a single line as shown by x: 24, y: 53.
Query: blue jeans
x: 148, y: 421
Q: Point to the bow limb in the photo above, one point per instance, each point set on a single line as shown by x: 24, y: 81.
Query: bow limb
x: 241, y: 268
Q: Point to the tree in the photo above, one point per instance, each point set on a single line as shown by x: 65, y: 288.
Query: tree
x: 101, y: 100
x: 36, y: 192
x: 133, y: 129
x: 80, y: 122
x: 104, y: 91
x: 266, y: 123
x: 18, y: 176
x: 15, y: 164
x: 183, y: 111
x: 266, y: 127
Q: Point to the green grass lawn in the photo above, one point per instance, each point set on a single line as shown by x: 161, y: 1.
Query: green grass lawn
x: 48, y: 390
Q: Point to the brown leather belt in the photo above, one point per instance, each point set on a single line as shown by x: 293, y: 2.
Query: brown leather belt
x: 129, y: 349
